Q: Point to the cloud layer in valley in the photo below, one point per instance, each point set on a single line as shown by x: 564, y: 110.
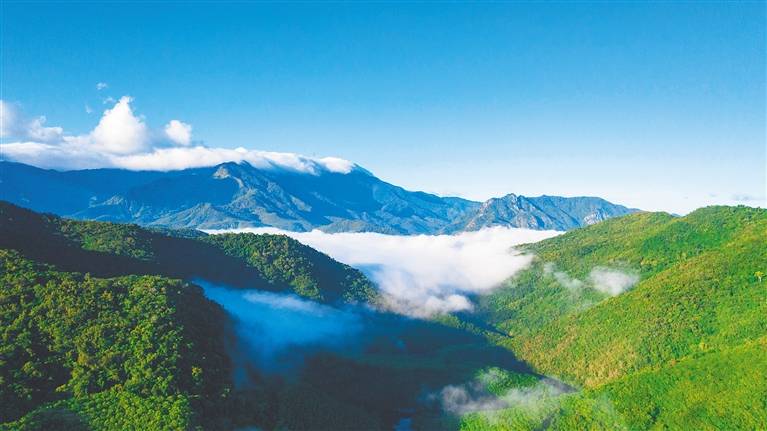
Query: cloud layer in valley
x: 270, y: 324
x: 122, y: 139
x: 424, y: 275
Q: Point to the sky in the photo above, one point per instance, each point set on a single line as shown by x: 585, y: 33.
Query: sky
x: 655, y: 105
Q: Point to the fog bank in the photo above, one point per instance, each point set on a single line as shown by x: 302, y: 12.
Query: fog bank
x: 422, y: 275
x: 271, y: 326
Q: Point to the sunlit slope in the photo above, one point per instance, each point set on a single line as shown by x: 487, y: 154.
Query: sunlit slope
x: 719, y: 390
x: 684, y: 346
x: 698, y: 293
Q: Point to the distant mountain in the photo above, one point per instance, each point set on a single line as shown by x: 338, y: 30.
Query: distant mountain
x: 232, y: 195
x: 543, y: 212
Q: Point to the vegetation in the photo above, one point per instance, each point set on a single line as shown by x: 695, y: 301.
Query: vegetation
x: 100, y: 332
x: 283, y: 260
x: 147, y: 344
x: 682, y: 348
x: 269, y: 262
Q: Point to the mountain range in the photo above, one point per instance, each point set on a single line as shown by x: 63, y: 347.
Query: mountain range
x: 647, y: 321
x: 237, y: 195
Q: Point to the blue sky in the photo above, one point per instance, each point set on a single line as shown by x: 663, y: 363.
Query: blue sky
x: 656, y: 105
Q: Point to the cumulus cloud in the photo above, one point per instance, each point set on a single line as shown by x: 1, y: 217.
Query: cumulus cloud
x: 423, y: 275
x: 612, y: 281
x: 14, y: 124
x: 122, y: 139
x: 120, y: 131
x: 101, y: 85
x: 178, y: 132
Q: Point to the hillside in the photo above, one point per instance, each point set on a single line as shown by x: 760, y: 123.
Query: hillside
x: 232, y: 195
x: 270, y: 262
x: 96, y: 335
x: 148, y: 346
x: 660, y: 319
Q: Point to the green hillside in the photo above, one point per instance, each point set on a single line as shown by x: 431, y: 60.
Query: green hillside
x: 99, y: 333
x: 683, y: 345
x: 147, y: 346
x: 269, y: 262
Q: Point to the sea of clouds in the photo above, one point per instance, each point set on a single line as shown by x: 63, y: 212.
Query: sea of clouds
x: 423, y: 275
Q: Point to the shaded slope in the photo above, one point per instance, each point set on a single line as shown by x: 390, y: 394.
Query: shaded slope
x: 108, y: 249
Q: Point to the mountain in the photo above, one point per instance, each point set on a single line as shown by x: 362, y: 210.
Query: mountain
x: 233, y: 195
x: 659, y: 319
x: 647, y: 321
x: 105, y: 327
x: 543, y: 213
x: 270, y: 262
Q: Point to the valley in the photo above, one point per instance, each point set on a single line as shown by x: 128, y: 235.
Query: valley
x: 599, y: 328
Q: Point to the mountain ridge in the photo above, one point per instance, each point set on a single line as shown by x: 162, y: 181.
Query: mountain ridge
x: 235, y: 195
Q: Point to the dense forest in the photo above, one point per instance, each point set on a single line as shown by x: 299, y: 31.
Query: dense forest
x: 640, y: 322
x: 684, y: 347
x: 101, y: 331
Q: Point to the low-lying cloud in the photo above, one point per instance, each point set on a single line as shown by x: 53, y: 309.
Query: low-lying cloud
x: 424, y: 275
x: 269, y: 325
x: 474, y: 397
x: 609, y: 281
x: 612, y: 281
x: 123, y: 139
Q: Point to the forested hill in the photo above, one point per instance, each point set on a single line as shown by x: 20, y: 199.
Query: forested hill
x: 269, y: 262
x: 661, y: 320
x: 94, y: 339
x: 98, y: 332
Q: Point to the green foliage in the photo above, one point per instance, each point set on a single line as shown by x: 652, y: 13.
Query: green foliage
x: 703, y: 300
x: 65, y: 335
x: 683, y: 349
x: 283, y: 260
x: 109, y: 410
x: 269, y: 262
x: 724, y: 389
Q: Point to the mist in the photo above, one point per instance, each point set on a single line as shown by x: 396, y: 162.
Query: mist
x: 474, y: 396
x: 272, y: 329
x: 424, y: 275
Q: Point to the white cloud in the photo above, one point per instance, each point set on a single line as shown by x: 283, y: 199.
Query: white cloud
x: 572, y: 284
x: 7, y: 118
x: 612, y: 281
x: 122, y: 139
x: 474, y: 396
x: 178, y: 132
x: 101, y: 85
x: 423, y: 275
x: 14, y: 124
x: 119, y: 131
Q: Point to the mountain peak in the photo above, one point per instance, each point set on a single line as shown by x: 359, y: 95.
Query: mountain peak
x: 292, y: 194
